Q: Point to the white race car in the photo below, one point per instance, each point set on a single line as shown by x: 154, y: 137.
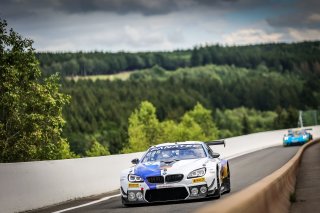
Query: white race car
x: 175, y: 171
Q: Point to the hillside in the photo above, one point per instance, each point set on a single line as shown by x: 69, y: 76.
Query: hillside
x: 299, y: 57
x: 247, y: 88
x: 242, y: 101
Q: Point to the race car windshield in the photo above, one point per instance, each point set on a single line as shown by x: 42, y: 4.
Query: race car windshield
x: 174, y: 153
x: 296, y: 133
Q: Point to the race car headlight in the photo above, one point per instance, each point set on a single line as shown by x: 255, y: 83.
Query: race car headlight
x: 197, y: 173
x: 134, y: 178
x: 286, y: 138
x: 304, y: 137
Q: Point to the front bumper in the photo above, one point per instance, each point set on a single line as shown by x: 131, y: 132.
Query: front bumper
x: 294, y: 142
x: 168, y: 192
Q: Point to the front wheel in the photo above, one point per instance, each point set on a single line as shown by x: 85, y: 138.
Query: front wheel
x: 228, y: 182
x: 217, y: 194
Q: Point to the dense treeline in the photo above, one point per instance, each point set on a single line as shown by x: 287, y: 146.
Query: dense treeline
x: 256, y: 88
x: 93, y: 63
x: 300, y: 57
x: 99, y: 110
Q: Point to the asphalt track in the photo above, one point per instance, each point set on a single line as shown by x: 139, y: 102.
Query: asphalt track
x: 245, y: 170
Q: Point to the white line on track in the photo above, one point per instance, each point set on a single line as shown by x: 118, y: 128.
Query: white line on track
x: 88, y: 204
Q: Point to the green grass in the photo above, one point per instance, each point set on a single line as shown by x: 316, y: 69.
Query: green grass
x: 120, y: 76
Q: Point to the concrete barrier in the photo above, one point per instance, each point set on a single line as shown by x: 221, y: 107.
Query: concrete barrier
x: 32, y: 185
x: 269, y: 195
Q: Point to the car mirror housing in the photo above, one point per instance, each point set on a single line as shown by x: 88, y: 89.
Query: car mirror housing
x: 135, y: 161
x: 215, y: 155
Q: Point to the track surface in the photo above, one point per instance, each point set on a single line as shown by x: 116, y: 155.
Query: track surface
x: 245, y: 170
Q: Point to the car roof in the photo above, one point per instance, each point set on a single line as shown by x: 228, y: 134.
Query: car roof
x: 175, y: 143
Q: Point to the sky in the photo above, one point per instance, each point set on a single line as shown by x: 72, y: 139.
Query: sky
x: 159, y: 25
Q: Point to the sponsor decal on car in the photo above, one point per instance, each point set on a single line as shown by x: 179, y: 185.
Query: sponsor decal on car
x: 198, y: 180
x: 133, y: 185
x: 177, y: 146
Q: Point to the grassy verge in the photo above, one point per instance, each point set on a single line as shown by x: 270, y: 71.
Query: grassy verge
x: 120, y: 76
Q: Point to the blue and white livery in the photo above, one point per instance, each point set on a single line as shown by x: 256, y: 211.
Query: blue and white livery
x: 296, y: 137
x: 176, y: 171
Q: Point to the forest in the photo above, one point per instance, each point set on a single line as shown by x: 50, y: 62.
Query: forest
x: 246, y: 89
x: 300, y: 57
x: 241, y: 101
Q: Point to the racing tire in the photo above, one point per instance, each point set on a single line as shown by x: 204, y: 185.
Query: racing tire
x: 228, y: 182
x: 217, y: 194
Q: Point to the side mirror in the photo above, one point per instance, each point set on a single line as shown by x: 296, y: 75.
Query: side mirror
x: 215, y: 155
x: 135, y: 161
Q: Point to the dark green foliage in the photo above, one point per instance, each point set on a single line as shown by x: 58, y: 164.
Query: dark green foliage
x: 241, y: 121
x: 93, y: 63
x: 96, y: 149
x: 246, y: 128
x: 300, y: 57
x: 303, y: 57
x: 261, y: 78
x: 101, y: 109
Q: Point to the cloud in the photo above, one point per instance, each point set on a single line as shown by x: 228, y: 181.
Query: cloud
x: 145, y: 7
x: 146, y: 25
x: 314, y: 18
x: 301, y: 14
x: 112, y: 33
x: 251, y: 36
x: 26, y: 8
x: 304, y: 35
x: 143, y: 37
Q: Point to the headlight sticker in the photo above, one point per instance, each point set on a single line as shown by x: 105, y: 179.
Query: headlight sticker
x: 133, y: 185
x: 198, y: 180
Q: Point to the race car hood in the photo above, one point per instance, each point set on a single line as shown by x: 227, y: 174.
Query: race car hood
x: 296, y: 138
x: 145, y: 170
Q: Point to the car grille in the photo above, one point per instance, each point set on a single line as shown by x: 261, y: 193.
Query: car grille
x: 178, y: 193
x: 174, y: 178
x: 155, y: 179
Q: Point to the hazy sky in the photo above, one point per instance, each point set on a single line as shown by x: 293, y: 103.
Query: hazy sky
x: 138, y: 25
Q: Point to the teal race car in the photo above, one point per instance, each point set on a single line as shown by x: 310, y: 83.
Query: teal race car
x: 297, y: 137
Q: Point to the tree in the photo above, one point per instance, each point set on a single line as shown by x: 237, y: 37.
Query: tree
x: 246, y: 129
x: 196, y: 57
x: 97, y: 150
x: 203, y: 118
x: 279, y: 121
x: 143, y: 128
x: 189, y: 130
x: 30, y: 107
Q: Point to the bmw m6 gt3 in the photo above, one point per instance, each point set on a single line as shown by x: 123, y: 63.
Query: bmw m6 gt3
x: 176, y: 171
